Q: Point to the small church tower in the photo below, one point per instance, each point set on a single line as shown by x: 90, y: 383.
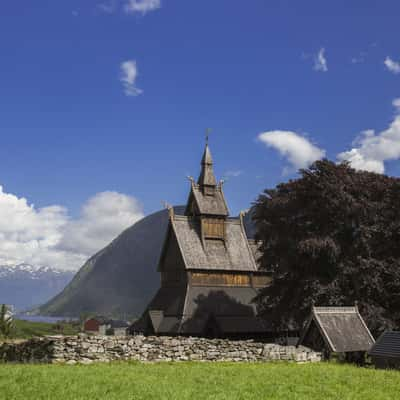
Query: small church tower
x: 208, y: 267
x: 207, y: 202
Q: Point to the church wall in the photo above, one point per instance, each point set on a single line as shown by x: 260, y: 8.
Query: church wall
x: 261, y: 281
x: 228, y: 279
x: 173, y: 268
x: 219, y: 279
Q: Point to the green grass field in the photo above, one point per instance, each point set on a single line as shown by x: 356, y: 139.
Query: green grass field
x: 28, y: 329
x: 197, y: 381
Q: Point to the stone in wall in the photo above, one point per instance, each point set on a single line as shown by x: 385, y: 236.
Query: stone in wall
x: 87, y: 349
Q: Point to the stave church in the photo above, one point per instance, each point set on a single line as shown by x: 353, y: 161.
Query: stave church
x: 209, y: 271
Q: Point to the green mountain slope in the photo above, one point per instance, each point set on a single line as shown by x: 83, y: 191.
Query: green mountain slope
x: 120, y: 279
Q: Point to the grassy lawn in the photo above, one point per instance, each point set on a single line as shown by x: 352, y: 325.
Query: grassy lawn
x: 28, y: 329
x: 197, y: 381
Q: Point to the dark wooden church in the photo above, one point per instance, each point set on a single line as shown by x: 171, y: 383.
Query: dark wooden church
x: 208, y: 267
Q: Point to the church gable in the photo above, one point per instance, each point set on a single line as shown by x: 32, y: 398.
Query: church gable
x: 172, y: 266
x: 206, y: 197
x: 209, y: 204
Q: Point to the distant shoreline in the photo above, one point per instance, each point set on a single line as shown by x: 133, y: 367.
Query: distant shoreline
x: 43, y: 318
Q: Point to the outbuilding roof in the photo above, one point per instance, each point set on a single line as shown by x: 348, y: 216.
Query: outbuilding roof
x: 99, y: 318
x: 116, y: 323
x: 387, y: 345
x: 342, y: 329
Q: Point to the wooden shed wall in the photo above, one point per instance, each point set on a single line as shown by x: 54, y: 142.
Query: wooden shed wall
x: 91, y: 325
x: 386, y: 362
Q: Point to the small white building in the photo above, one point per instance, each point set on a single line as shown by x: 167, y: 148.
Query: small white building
x: 9, y: 311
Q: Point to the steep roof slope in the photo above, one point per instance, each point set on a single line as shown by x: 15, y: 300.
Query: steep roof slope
x: 342, y: 328
x: 233, y: 255
x: 387, y: 345
x: 210, y: 205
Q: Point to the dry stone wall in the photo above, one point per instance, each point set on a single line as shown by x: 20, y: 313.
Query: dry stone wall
x: 87, y: 349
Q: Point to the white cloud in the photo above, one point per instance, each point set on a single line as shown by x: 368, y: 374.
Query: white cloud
x: 128, y: 77
x: 396, y: 104
x: 371, y: 149
x: 141, y: 6
x: 107, y: 7
x: 233, y: 173
x: 298, y: 150
x: 320, y: 62
x: 357, y: 60
x: 360, y: 58
x: 392, y: 66
x: 103, y: 217
x: 49, y: 237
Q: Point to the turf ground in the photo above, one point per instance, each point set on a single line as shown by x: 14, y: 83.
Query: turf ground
x: 27, y: 329
x: 134, y: 381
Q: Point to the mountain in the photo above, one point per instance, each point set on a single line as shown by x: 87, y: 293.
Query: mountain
x: 25, y: 286
x: 122, y: 278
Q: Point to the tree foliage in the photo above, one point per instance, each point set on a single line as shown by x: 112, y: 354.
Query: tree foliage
x: 333, y: 237
x: 6, y: 322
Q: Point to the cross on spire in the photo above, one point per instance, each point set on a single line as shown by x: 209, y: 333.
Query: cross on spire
x: 208, y: 131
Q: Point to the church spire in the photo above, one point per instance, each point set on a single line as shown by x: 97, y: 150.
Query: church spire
x: 207, y: 177
x: 206, y: 197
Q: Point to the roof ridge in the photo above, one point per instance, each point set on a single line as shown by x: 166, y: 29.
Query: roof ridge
x: 336, y: 309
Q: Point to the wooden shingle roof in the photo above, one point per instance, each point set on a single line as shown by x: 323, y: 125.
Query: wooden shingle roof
x: 207, y: 174
x: 210, y: 205
x: 387, y: 345
x: 255, y: 248
x: 233, y: 254
x: 342, y: 329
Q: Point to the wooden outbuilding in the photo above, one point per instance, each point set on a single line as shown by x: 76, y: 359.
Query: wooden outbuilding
x: 209, y: 270
x: 385, y: 353
x: 337, y: 330
x: 92, y: 325
x: 117, y: 328
x: 105, y: 326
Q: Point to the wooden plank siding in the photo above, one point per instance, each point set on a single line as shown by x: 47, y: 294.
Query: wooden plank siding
x: 228, y: 279
x: 219, y: 279
x: 261, y: 281
x: 213, y: 228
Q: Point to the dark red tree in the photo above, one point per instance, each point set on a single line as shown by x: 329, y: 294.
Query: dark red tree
x: 332, y: 236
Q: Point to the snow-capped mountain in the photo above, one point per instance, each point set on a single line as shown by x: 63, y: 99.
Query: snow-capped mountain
x: 25, y: 286
x: 31, y: 271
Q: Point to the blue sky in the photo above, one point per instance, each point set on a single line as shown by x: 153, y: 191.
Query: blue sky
x: 115, y: 96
